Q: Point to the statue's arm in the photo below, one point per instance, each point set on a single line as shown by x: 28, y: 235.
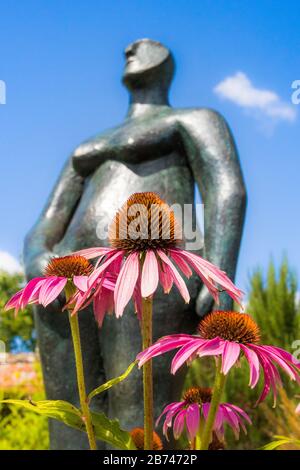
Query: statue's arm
x: 52, y: 223
x: 214, y: 161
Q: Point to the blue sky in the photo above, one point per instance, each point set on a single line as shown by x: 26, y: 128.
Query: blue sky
x: 62, y: 62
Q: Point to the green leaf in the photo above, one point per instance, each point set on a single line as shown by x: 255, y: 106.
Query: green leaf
x: 109, y: 430
x: 105, y: 429
x: 111, y: 382
x: 56, y: 409
x: 280, y: 441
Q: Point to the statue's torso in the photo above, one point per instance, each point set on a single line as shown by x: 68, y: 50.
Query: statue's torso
x: 140, y: 155
x: 136, y: 157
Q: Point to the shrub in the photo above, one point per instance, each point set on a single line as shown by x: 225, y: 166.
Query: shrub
x: 11, y: 327
x: 22, y: 429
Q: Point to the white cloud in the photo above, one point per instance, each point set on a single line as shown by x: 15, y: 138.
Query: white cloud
x: 9, y: 264
x: 240, y: 90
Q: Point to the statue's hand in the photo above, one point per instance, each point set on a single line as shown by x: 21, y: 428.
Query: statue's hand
x: 204, y: 302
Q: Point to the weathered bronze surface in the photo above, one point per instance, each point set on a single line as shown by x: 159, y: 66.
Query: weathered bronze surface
x: 156, y: 148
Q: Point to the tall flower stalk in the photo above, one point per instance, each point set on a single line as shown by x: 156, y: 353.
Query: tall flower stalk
x: 83, y: 398
x: 147, y: 374
x: 86, y: 414
x: 218, y: 389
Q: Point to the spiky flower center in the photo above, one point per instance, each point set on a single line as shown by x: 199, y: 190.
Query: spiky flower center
x: 231, y: 326
x: 137, y: 435
x: 144, y: 222
x: 69, y: 266
x: 197, y: 395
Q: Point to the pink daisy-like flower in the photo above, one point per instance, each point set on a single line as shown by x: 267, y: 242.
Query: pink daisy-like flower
x: 195, y: 404
x: 58, y: 273
x: 145, y: 261
x: 229, y: 334
x: 102, y: 298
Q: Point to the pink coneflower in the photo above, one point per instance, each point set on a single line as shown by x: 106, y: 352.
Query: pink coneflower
x: 144, y: 261
x: 102, y: 298
x: 68, y: 273
x: 59, y: 272
x: 227, y: 335
x: 194, y: 406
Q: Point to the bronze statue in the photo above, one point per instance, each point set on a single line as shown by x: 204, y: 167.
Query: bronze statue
x: 156, y: 148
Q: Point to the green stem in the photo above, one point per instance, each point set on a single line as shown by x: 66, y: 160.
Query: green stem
x: 214, y: 405
x: 147, y: 374
x: 199, y: 435
x: 86, y: 414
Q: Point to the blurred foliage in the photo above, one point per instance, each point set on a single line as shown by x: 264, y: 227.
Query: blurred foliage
x: 274, y: 305
x: 284, y: 422
x: 283, y: 442
x: 10, y: 327
x: 22, y: 429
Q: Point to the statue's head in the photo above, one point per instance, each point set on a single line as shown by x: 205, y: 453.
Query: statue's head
x: 148, y: 62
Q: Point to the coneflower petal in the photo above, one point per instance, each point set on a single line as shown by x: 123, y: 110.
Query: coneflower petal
x: 239, y: 410
x: 99, y: 271
x: 31, y: 290
x: 165, y: 277
x: 137, y: 297
x: 181, y: 263
x: 178, y: 424
x: 51, y: 290
x: 230, y: 356
x: 285, y: 355
x: 149, y: 279
x: 173, y: 407
x: 231, y: 419
x: 253, y: 362
x: 81, y: 282
x: 126, y: 283
x: 192, y: 420
x: 184, y: 354
x: 281, y: 362
x: 202, y: 273
x: 168, y: 421
x: 161, y: 346
x: 90, y: 253
x: 103, y: 303
x: 14, y: 300
x: 176, y: 276
x: 268, y: 377
x: 209, y: 272
x: 211, y: 347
